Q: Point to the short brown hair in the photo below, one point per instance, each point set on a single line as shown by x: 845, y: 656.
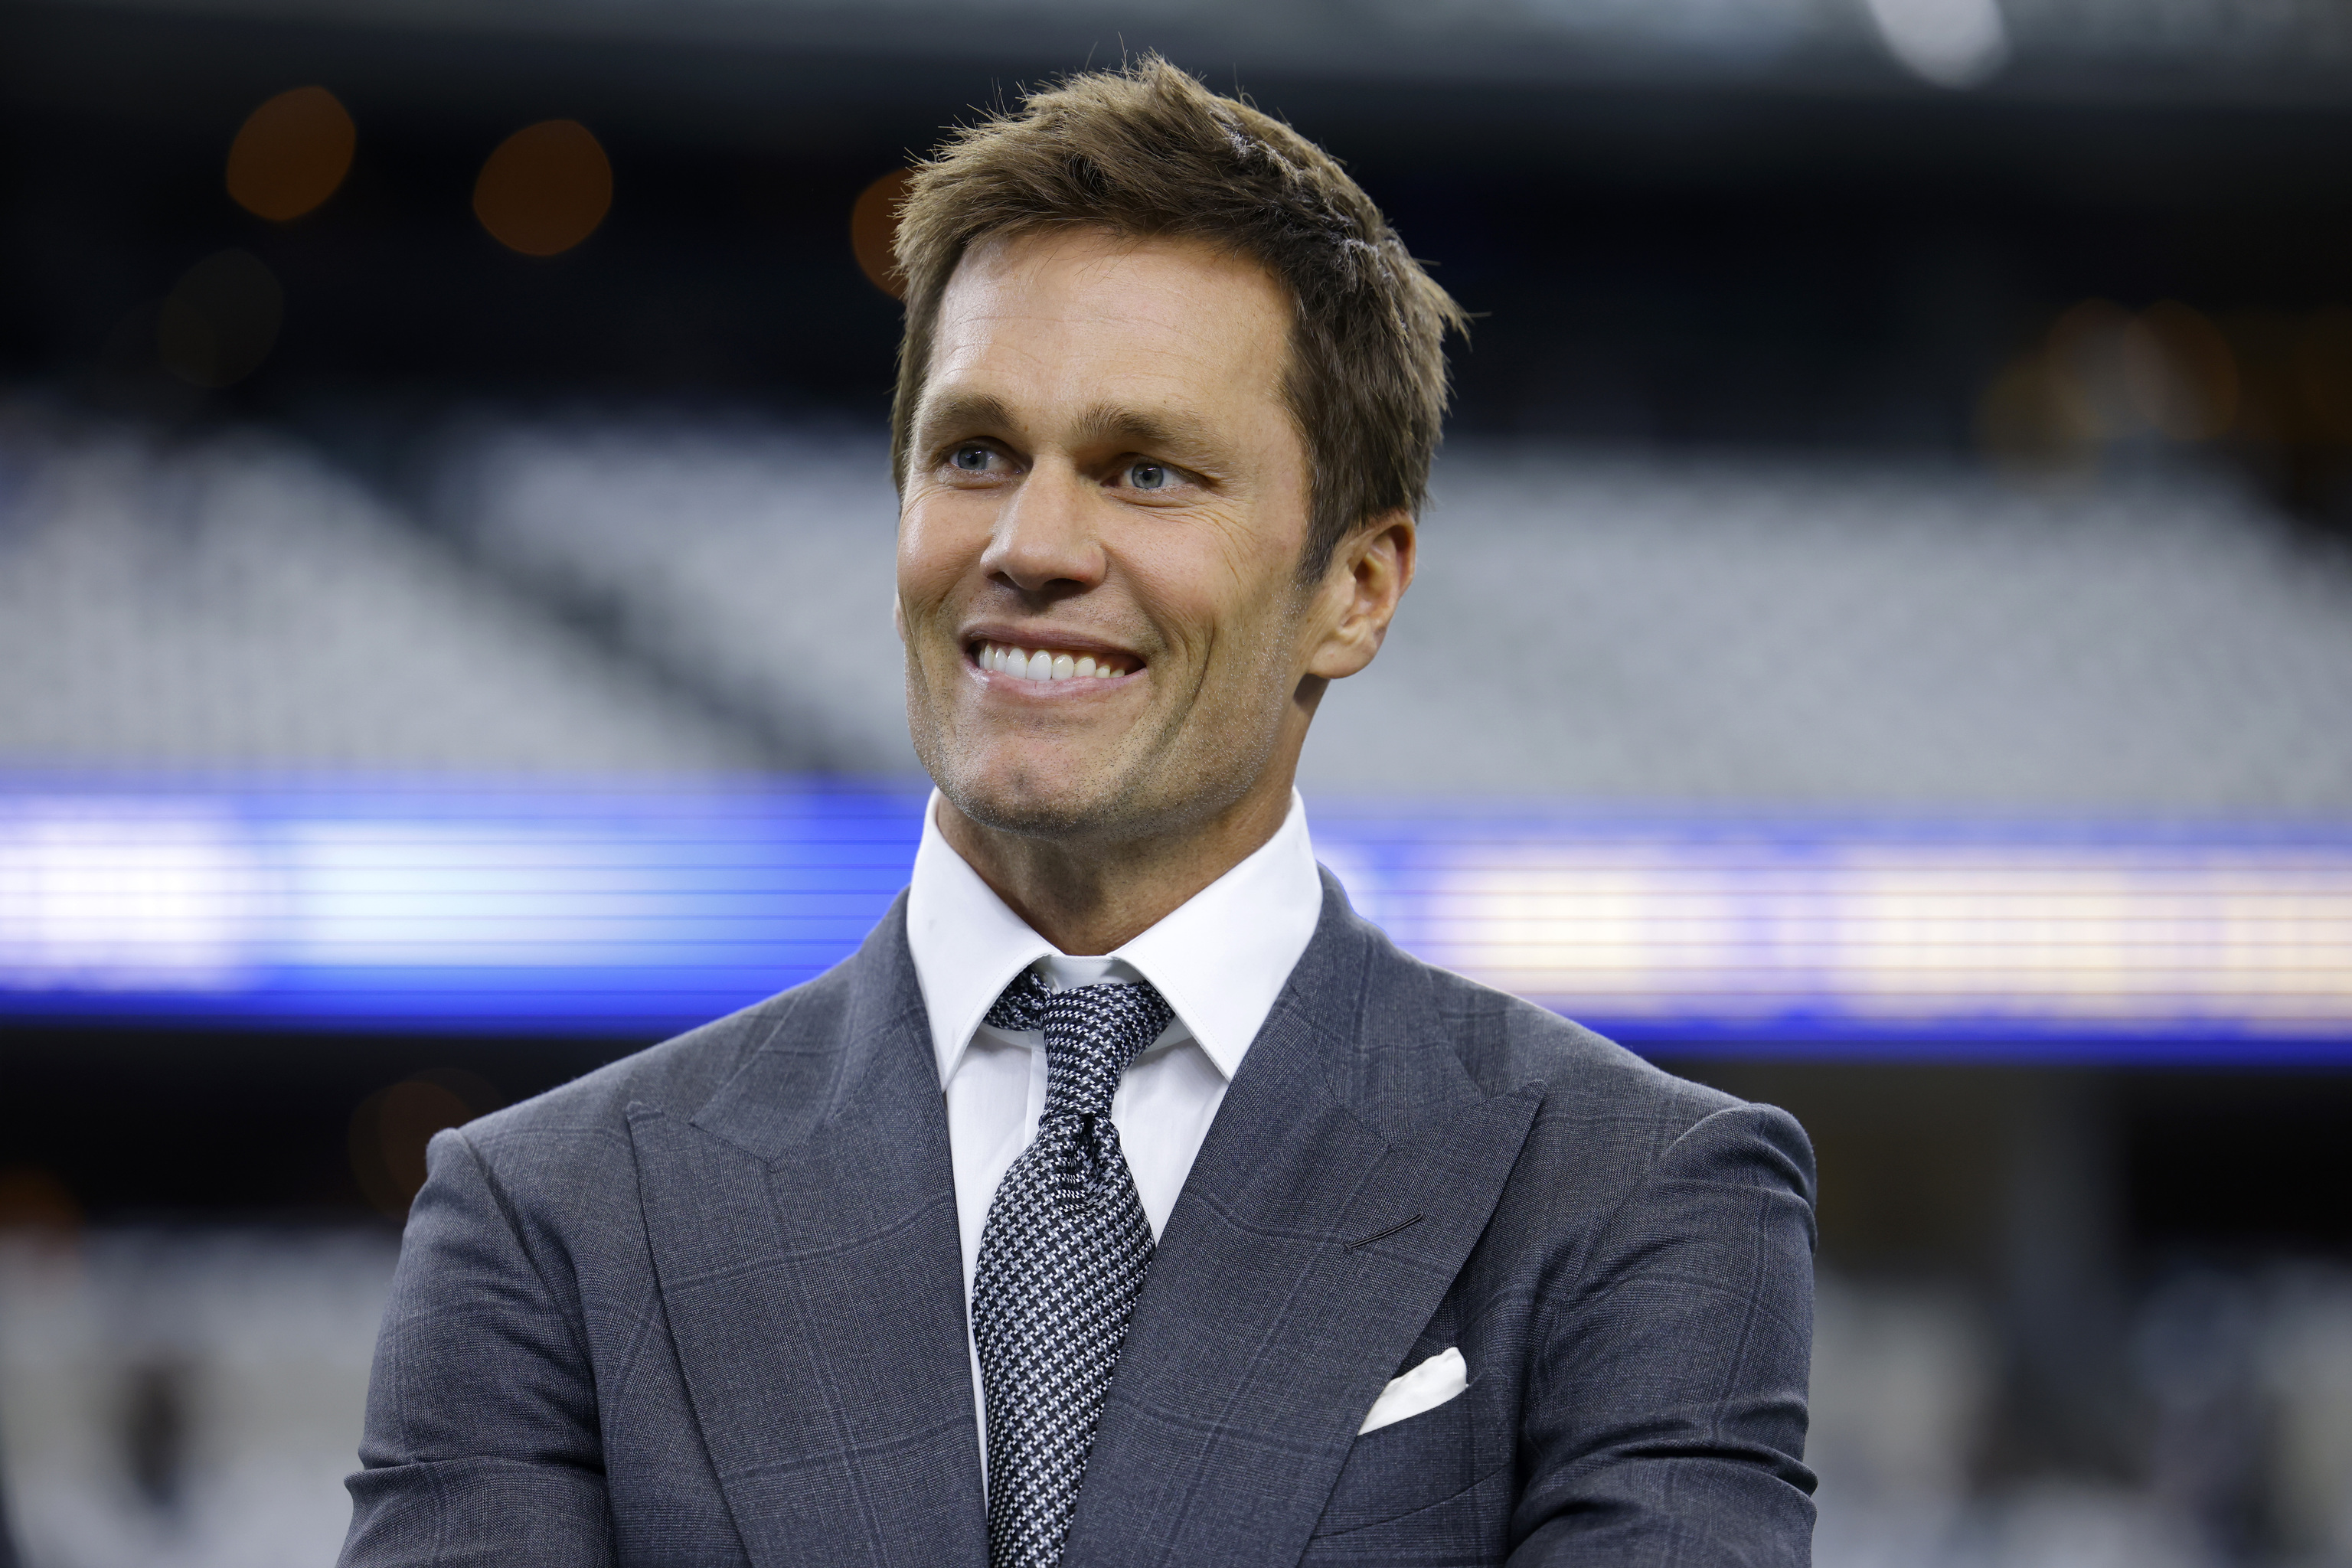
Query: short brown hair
x: 1149, y: 152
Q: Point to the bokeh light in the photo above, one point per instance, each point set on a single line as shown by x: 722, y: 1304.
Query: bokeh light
x: 2034, y: 417
x: 1951, y: 43
x: 2102, y: 375
x: 220, y: 321
x: 873, y: 222
x: 391, y: 1127
x: 2323, y: 363
x: 2179, y: 373
x: 545, y: 189
x: 2089, y: 369
x: 291, y: 154
x: 32, y: 1201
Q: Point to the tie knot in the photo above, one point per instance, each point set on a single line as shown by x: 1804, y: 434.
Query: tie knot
x: 1091, y: 1032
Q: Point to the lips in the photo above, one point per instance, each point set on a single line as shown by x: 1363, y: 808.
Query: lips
x: 1046, y: 663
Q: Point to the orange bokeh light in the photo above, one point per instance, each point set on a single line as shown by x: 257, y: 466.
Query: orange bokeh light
x: 291, y: 154
x: 545, y: 189
x: 872, y: 223
x: 2183, y: 379
x: 390, y: 1130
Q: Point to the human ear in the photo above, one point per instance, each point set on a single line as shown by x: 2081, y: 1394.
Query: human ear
x: 1368, y: 576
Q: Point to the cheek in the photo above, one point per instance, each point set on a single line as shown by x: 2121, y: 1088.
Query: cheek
x: 1205, y: 585
x: 932, y: 557
x: 1246, y: 645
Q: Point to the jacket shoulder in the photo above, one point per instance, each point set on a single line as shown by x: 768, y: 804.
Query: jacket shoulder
x: 680, y: 1075
x: 1506, y: 1044
x: 1608, y: 1119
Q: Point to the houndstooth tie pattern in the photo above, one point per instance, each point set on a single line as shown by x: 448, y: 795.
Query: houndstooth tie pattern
x: 1062, y: 1259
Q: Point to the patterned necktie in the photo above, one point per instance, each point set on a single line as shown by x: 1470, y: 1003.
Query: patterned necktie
x: 1062, y: 1259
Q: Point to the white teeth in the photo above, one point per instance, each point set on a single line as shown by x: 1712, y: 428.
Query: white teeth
x: 1044, y: 664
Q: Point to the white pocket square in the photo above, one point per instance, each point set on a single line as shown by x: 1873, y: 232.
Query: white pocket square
x: 1426, y: 1387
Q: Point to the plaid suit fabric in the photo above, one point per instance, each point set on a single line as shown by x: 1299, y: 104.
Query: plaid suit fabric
x: 705, y: 1306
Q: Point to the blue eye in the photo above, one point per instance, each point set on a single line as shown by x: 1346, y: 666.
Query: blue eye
x: 1146, y: 476
x: 972, y: 459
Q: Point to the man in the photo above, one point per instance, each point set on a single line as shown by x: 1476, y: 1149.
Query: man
x: 1125, y: 1199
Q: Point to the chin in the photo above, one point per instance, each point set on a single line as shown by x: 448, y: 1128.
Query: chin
x: 1038, y: 798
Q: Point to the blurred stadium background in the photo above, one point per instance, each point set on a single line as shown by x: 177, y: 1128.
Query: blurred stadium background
x: 1885, y: 647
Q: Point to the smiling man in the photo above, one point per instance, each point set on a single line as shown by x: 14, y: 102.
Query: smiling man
x: 1126, y: 1198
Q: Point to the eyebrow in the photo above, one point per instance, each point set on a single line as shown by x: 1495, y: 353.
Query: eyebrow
x: 963, y: 411
x: 1106, y: 423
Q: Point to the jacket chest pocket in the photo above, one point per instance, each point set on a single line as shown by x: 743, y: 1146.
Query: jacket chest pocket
x: 1405, y: 1467
x: 1424, y: 1463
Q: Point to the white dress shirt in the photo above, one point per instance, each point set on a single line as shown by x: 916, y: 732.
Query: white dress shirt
x: 1219, y: 960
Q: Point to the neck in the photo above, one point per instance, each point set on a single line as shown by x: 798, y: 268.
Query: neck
x: 1093, y: 897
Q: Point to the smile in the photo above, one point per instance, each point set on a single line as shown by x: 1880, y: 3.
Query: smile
x: 1048, y: 664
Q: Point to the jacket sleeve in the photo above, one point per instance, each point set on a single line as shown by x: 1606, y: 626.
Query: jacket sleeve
x: 481, y: 1444
x: 1665, y: 1420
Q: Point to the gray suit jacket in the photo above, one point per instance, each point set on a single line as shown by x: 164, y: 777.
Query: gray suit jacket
x: 706, y: 1305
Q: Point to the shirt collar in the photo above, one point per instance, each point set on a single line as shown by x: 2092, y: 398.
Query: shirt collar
x: 1220, y: 958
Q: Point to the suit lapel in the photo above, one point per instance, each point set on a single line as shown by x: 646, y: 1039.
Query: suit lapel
x: 804, y: 1231
x: 1306, y: 1255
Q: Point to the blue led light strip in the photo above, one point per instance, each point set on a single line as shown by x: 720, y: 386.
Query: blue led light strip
x: 625, y: 911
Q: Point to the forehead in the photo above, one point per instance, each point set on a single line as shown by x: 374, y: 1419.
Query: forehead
x: 1080, y: 315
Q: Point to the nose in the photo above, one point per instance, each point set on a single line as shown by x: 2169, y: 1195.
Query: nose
x: 1045, y: 536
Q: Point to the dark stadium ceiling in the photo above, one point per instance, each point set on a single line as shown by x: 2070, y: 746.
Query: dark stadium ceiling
x: 1809, y: 222
x: 2164, y: 50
